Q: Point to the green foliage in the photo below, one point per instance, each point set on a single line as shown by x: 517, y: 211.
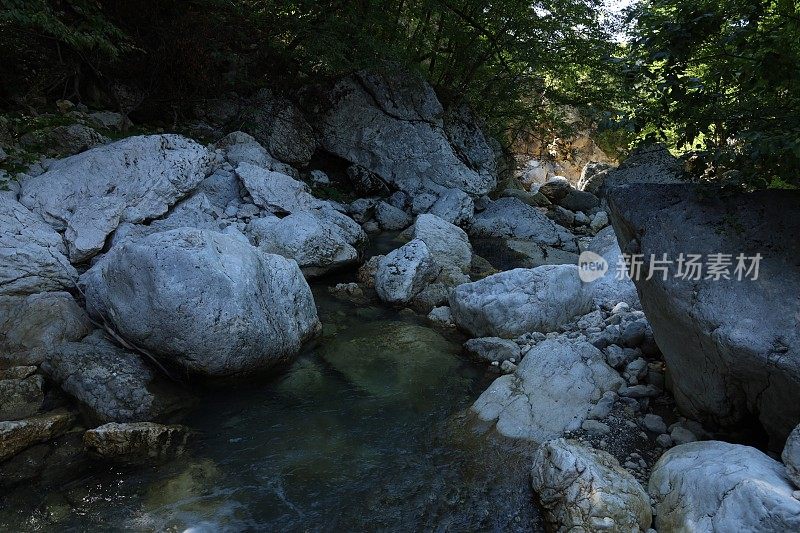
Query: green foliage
x: 79, y: 24
x: 721, y: 78
x: 515, y: 61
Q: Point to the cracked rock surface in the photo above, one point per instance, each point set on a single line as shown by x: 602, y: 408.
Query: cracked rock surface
x: 583, y: 489
x: 716, y: 486
x: 732, y: 346
x: 393, y: 125
x: 110, y: 383
x: 32, y: 255
x: 519, y: 301
x: 208, y: 302
x: 86, y: 196
x: 551, y: 391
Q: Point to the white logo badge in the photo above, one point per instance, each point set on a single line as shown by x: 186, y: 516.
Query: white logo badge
x: 591, y: 266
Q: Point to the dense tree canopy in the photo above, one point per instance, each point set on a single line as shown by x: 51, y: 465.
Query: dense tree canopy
x: 722, y: 78
x: 719, y: 77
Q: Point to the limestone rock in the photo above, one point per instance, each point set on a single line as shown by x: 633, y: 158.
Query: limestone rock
x: 137, y: 442
x: 87, y: 195
x: 748, y: 327
x: 112, y: 384
x: 447, y: 243
x: 210, y: 303
x: 17, y: 435
x: 404, y: 273
x: 583, y: 489
x: 392, y: 124
x: 32, y: 254
x: 519, y: 301
x: 716, y: 486
x: 551, y: 392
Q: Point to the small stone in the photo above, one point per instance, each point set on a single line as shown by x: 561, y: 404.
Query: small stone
x: 599, y: 221
x: 441, y: 316
x: 635, y: 371
x: 654, y: 423
x: 621, y: 307
x: 604, y: 406
x: 681, y: 435
x: 508, y: 367
x: 664, y: 440
x: 634, y: 333
x: 593, y: 427
x: 640, y: 391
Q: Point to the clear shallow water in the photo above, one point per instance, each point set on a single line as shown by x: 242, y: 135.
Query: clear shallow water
x: 366, y: 431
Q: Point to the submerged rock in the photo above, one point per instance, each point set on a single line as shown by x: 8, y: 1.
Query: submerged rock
x: 393, y: 360
x: 519, y: 301
x: 748, y: 327
x: 583, y: 489
x: 551, y: 392
x: 716, y: 486
x: 138, y: 442
x: 32, y: 254
x: 17, y: 435
x: 212, y: 304
x: 87, y: 195
x: 111, y: 384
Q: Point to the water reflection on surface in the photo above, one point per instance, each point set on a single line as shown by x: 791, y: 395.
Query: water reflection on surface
x: 366, y: 431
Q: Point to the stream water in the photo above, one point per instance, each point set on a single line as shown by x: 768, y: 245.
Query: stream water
x: 368, y: 430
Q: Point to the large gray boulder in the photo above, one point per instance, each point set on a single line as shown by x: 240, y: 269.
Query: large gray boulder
x: 716, y: 486
x: 448, y: 244
x: 111, y: 384
x: 87, y: 195
x: 510, y: 218
x: 40, y: 321
x: 791, y: 456
x: 276, y: 191
x: 313, y: 242
x: 212, y: 304
x: 614, y: 286
x: 551, y: 391
x: 649, y: 164
x: 393, y: 125
x: 583, y: 489
x: 32, y: 254
x: 281, y: 127
x: 732, y: 346
x: 405, y: 272
x: 520, y: 301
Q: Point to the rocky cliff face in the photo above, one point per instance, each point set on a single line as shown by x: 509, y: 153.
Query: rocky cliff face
x: 731, y: 345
